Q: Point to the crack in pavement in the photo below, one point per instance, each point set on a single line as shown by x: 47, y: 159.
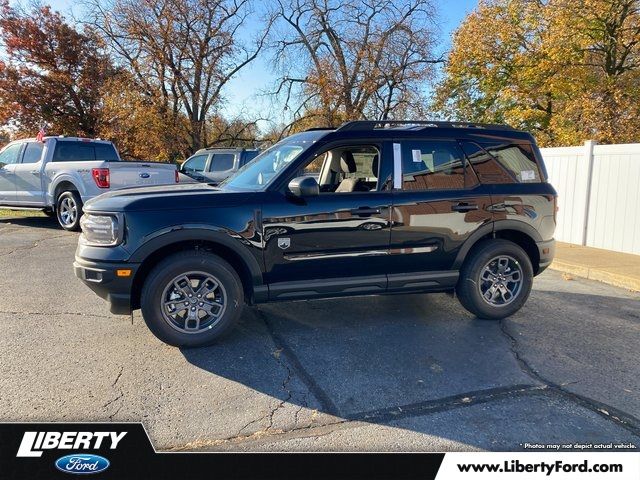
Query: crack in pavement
x: 30, y: 247
x: 381, y: 416
x: 320, y: 395
x: 622, y: 419
x: 280, y: 404
x: 118, y: 397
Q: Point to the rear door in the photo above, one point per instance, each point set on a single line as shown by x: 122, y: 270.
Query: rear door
x: 28, y: 175
x: 9, y: 157
x: 440, y: 203
x: 221, y: 165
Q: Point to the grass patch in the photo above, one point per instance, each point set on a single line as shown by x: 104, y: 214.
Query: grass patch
x: 20, y: 213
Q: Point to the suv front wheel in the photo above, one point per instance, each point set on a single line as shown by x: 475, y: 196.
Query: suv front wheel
x: 496, y: 279
x: 191, y: 298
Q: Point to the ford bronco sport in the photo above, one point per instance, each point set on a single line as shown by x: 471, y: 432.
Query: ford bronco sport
x: 365, y: 209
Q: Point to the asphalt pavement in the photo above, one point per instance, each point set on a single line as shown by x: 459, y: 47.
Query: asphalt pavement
x: 389, y: 373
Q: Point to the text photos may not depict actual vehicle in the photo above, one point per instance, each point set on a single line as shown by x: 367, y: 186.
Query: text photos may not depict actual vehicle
x: 368, y: 208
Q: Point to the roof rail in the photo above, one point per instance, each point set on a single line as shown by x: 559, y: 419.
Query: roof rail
x: 373, y: 124
x: 313, y: 129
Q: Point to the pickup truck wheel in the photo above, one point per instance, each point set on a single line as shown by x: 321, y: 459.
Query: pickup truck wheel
x: 496, y: 280
x: 191, y: 299
x: 69, y: 210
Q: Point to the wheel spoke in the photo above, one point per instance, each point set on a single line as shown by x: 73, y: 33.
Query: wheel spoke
x: 503, y: 263
x: 211, y: 308
x: 175, y: 306
x: 505, y: 293
x: 487, y: 275
x: 193, y: 321
x: 513, y: 276
x: 183, y: 284
x: 206, y: 287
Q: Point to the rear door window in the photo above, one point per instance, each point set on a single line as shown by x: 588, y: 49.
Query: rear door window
x: 221, y: 162
x: 434, y: 165
x: 32, y: 152
x: 84, y: 151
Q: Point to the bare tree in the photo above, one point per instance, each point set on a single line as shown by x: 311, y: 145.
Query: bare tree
x: 348, y: 59
x: 181, y: 52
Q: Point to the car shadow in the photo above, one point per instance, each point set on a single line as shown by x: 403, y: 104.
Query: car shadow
x: 33, y: 222
x: 394, y: 360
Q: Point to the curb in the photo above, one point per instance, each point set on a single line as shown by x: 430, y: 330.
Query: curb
x: 604, y: 276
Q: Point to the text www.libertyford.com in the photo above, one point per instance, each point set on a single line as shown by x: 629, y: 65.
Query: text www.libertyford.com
x: 516, y: 466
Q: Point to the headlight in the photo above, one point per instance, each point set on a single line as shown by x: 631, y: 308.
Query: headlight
x: 101, y: 229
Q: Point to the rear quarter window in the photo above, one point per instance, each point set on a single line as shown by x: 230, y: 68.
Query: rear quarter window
x: 84, y: 151
x: 502, y: 162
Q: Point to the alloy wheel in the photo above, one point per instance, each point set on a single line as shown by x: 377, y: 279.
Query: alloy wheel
x: 193, y: 302
x: 500, y: 281
x: 68, y: 211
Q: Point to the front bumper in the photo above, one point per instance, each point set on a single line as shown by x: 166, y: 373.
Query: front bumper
x: 546, y: 251
x: 102, y: 279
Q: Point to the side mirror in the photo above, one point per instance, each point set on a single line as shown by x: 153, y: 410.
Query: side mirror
x: 304, y: 187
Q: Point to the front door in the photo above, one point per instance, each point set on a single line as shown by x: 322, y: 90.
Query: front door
x: 318, y: 244
x: 9, y: 156
x: 439, y: 206
x: 28, y: 176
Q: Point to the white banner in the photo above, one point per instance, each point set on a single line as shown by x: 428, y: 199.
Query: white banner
x: 541, y: 465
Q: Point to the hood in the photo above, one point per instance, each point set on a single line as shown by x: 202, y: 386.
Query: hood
x: 162, y: 197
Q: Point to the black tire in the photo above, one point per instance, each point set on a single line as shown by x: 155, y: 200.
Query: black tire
x: 66, y: 218
x: 470, y: 282
x: 160, y: 283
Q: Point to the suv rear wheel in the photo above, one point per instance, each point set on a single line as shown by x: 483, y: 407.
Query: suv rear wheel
x: 496, y: 279
x: 190, y: 299
x: 69, y: 210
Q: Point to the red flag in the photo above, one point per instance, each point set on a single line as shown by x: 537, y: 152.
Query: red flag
x: 40, y: 136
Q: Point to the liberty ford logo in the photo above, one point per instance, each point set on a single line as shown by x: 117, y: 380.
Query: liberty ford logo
x: 82, y: 463
x: 284, y: 243
x: 144, y: 175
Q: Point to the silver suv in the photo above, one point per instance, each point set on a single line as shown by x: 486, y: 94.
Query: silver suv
x: 212, y: 165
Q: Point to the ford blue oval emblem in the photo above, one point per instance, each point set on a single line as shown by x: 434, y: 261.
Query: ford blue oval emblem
x: 82, y: 463
x: 144, y: 175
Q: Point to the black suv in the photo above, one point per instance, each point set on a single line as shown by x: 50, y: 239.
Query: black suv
x: 369, y: 208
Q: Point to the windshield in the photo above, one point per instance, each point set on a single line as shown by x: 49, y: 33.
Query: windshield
x: 258, y: 173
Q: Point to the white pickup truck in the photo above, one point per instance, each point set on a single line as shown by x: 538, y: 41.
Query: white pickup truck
x: 59, y: 174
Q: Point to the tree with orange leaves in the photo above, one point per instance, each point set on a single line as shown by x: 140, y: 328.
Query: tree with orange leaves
x: 53, y: 74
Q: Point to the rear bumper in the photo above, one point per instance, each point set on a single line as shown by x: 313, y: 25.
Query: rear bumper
x: 101, y: 277
x: 547, y: 251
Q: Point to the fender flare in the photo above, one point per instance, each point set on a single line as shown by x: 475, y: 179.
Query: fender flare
x: 167, y: 236
x: 491, y: 228
x: 64, y: 177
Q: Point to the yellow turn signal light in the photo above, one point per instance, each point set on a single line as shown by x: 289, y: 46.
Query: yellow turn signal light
x: 124, y: 272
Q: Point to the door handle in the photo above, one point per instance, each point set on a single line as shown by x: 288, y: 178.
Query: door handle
x: 35, y: 172
x: 365, y: 211
x: 464, y: 207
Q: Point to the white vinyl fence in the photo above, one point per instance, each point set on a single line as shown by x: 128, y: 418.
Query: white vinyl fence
x: 598, y: 194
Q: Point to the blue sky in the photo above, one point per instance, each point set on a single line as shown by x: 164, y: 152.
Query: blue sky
x: 243, y: 93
